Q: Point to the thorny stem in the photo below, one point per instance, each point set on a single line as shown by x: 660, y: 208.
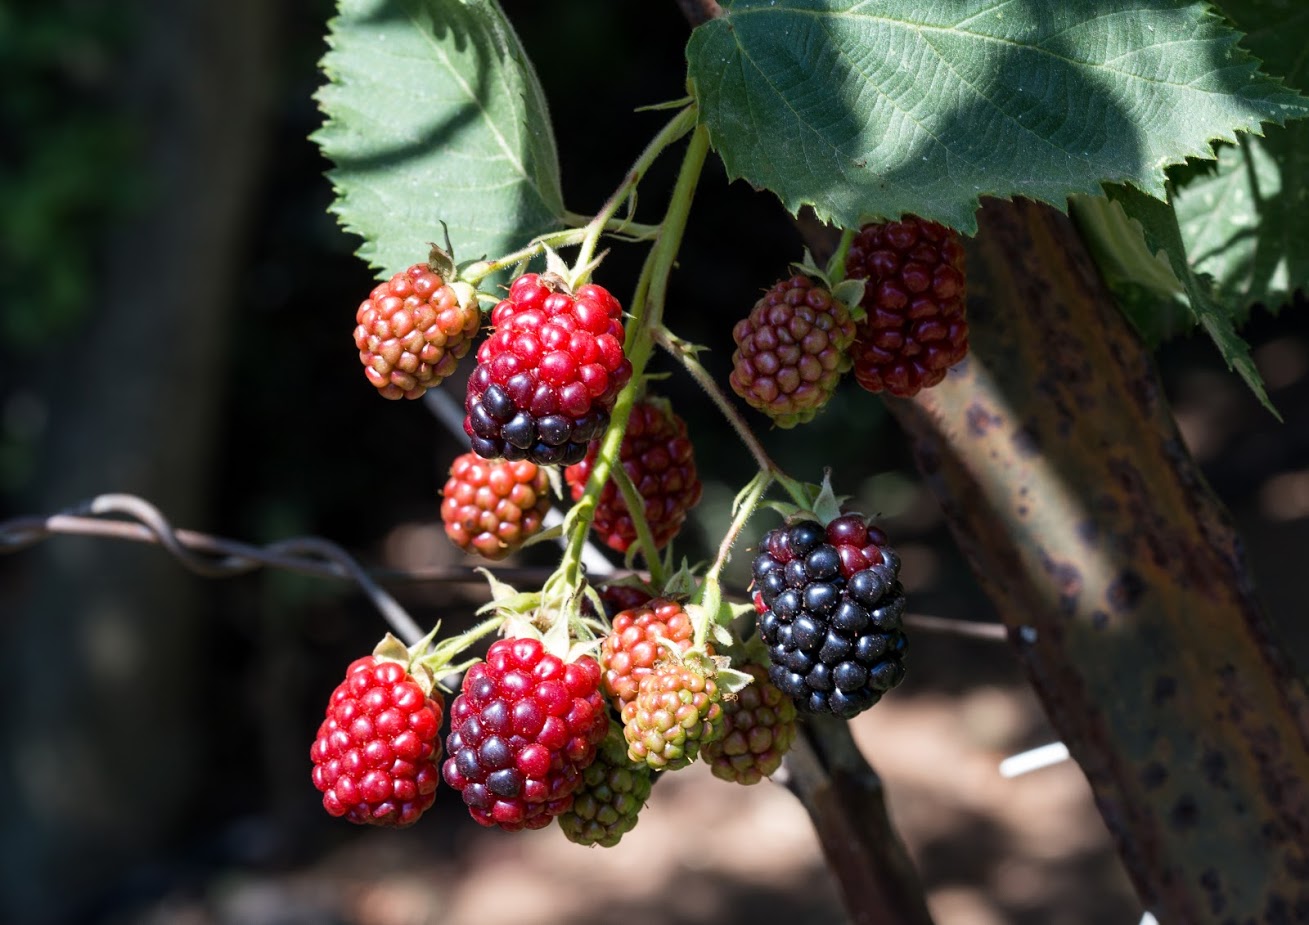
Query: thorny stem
x: 678, y: 126
x: 625, y: 227
x: 647, y: 315
x: 636, y: 509
x: 711, y: 592
x: 750, y: 498
x: 685, y: 353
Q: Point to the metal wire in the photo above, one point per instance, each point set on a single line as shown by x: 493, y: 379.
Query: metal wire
x: 216, y: 557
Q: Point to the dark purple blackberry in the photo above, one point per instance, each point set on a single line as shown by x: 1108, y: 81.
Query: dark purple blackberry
x: 832, y: 618
x: 548, y: 376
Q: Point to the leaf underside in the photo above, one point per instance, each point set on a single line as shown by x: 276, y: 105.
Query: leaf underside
x: 433, y: 113
x: 864, y: 109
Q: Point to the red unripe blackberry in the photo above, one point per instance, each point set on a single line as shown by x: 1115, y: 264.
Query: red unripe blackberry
x: 677, y: 709
x: 547, y: 378
x: 759, y: 728
x: 612, y: 793
x: 833, y: 619
x: 660, y: 461
x: 522, y: 730
x: 492, y: 507
x: 632, y: 648
x: 412, y: 330
x: 916, y: 326
x: 791, y: 350
x: 376, y: 753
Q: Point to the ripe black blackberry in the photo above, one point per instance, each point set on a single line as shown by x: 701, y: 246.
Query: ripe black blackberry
x: 832, y: 618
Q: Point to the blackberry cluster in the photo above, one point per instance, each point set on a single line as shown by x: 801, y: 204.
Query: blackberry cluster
x: 832, y: 618
x: 547, y: 379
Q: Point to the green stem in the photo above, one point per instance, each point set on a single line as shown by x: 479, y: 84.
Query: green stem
x: 624, y: 227
x: 647, y: 316
x: 447, y: 650
x: 836, y: 266
x: 711, y: 592
x: 636, y: 510
x: 678, y: 126
x: 474, y: 273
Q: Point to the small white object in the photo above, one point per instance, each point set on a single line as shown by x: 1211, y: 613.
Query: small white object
x: 1148, y: 919
x: 1034, y: 760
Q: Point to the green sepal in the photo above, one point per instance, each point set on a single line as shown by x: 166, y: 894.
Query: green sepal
x: 660, y: 107
x: 732, y: 681
x: 392, y: 649
x: 850, y: 293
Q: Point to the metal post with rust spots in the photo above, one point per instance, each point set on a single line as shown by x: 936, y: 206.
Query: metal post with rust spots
x: 1121, y: 580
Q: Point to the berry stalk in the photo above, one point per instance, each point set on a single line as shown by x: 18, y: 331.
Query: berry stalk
x: 644, y: 535
x: 678, y: 126
x: 711, y: 592
x: 684, y: 352
x: 647, y: 314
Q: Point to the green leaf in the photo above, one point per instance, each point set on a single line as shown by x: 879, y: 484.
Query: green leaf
x: 863, y: 109
x: 433, y: 113
x: 1245, y: 220
x: 1141, y: 279
x: 1162, y: 233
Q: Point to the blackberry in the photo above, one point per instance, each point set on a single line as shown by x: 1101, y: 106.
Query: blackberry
x: 412, y: 330
x: 493, y: 506
x: 524, y: 727
x: 547, y: 379
x: 916, y: 327
x: 612, y: 793
x: 832, y: 618
x: 633, y: 647
x: 760, y: 728
x: 791, y: 350
x: 377, y: 750
x: 677, y: 709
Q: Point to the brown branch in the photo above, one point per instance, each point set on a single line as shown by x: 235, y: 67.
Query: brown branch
x: 843, y: 795
x: 1121, y: 579
x: 699, y: 11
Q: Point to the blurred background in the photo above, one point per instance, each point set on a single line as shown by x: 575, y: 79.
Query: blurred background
x: 176, y: 309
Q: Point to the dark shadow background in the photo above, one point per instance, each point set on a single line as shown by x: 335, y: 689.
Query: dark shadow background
x: 176, y: 308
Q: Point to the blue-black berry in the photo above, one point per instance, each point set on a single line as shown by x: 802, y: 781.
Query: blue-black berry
x: 831, y: 609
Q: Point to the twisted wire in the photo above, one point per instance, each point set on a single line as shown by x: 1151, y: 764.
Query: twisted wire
x: 216, y: 557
